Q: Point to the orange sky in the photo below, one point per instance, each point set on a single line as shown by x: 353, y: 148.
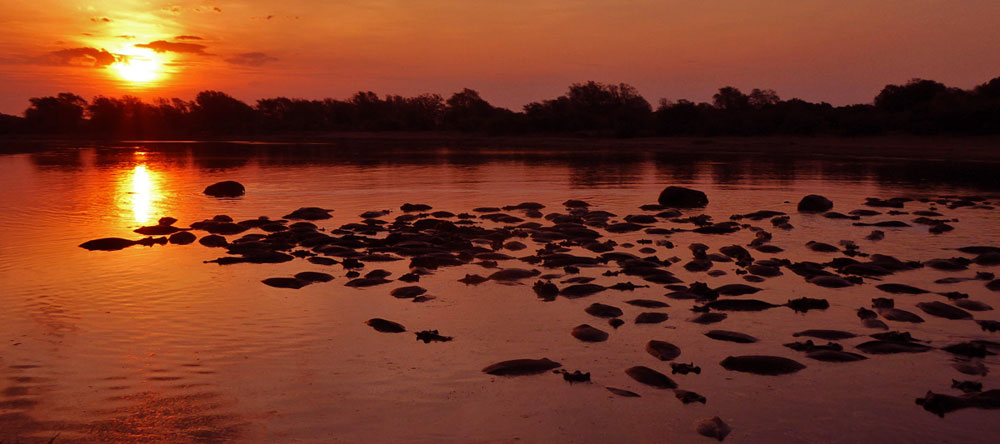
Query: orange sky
x: 512, y: 51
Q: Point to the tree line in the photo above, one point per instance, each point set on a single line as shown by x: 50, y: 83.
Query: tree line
x: 587, y: 109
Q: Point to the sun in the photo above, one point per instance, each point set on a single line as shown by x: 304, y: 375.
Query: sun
x: 138, y: 66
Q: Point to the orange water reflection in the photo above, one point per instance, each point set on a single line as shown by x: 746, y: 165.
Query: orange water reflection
x: 142, y: 193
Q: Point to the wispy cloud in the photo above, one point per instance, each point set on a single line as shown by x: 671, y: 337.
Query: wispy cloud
x: 251, y: 59
x: 165, y: 46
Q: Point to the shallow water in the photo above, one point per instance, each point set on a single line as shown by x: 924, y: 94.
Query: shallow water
x: 151, y: 344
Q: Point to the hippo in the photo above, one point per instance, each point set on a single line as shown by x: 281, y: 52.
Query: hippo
x: 156, y: 230
x: 814, y: 203
x: 881, y: 347
x: 412, y: 208
x: 834, y: 356
x: 830, y: 335
x: 805, y: 304
x: 408, y: 292
x: 895, y: 314
x: 545, y: 290
x: 622, y: 392
x: 520, y: 367
x: 366, y: 282
x: 739, y: 305
x: 228, y: 188
x: 662, y: 350
x: 429, y: 336
x: 731, y: 336
x: 681, y: 197
x: 941, y: 404
x: 651, y: 318
x: 829, y: 281
x: 647, y: 303
x: 737, y: 289
x: 940, y: 309
x: 684, y: 369
x: 473, y: 279
x: 309, y: 213
x: 603, y: 311
x: 213, y: 241
x: 385, y: 326
x: 285, y: 282
x: 687, y: 397
x: 107, y: 244
x: 708, y: 318
x: 513, y: 274
x: 313, y: 276
x: 581, y: 290
x: 650, y: 377
x: 762, y: 365
x: 900, y: 289
x: 573, y: 377
x: 586, y: 333
x: 182, y: 238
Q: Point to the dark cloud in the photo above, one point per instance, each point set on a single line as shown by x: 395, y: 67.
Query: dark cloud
x: 100, y: 19
x: 88, y: 57
x: 165, y: 46
x: 126, y: 36
x: 251, y: 59
x: 188, y: 37
x: 217, y: 9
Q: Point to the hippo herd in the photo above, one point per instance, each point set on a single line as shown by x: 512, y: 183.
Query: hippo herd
x: 579, y: 238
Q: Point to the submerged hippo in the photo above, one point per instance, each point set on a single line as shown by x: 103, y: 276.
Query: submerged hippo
x: 761, y: 365
x: 107, y: 244
x: 662, y: 350
x: 385, y: 326
x: 651, y: 377
x: 586, y: 333
x: 518, y: 367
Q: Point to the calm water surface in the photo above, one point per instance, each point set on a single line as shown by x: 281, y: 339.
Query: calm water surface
x: 153, y: 345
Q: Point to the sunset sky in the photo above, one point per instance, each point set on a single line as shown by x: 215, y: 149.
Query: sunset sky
x: 512, y: 51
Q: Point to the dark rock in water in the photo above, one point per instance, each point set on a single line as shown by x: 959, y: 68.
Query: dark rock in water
x: 967, y: 386
x: 941, y: 404
x: 513, y: 274
x: 473, y: 279
x: 830, y: 335
x: 107, y: 244
x: 680, y: 197
x: 688, y: 397
x: 229, y: 188
x: 285, y: 282
x: 815, y: 203
x: 156, y: 230
x: 739, y: 305
x: 880, y: 347
x: 829, y: 281
x: 213, y: 240
x: 615, y: 322
x: 545, y: 290
x: 731, y: 336
x: 821, y: 247
x: 736, y: 289
x: 895, y: 314
x: 366, y: 282
x: 182, y: 238
x: 684, y: 369
x: 309, y: 213
x: 651, y: 377
x: 581, y: 290
x: 408, y: 292
x: 385, y: 326
x: 761, y: 365
x: 624, y: 393
x: 651, y: 318
x: 313, y: 276
x: 973, y: 305
x: 900, y: 289
x: 806, y: 304
x: 647, y: 303
x: 518, y: 367
x: 713, y: 428
x: 603, y: 311
x: 940, y: 309
x: 708, y: 318
x: 429, y: 336
x: 834, y: 356
x: 586, y: 333
x: 662, y: 350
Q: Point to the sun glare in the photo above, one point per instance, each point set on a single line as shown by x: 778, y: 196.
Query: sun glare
x: 138, y: 66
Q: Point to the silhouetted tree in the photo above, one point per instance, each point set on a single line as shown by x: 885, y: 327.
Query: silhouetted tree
x: 218, y: 113
x: 60, y: 114
x: 730, y: 99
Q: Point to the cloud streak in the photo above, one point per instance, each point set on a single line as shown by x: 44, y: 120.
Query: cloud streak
x: 86, y: 57
x: 251, y: 59
x: 182, y: 48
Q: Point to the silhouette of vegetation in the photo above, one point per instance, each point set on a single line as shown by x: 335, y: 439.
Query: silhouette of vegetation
x: 587, y: 109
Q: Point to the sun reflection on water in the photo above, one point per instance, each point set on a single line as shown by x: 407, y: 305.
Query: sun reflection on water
x: 143, y: 193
